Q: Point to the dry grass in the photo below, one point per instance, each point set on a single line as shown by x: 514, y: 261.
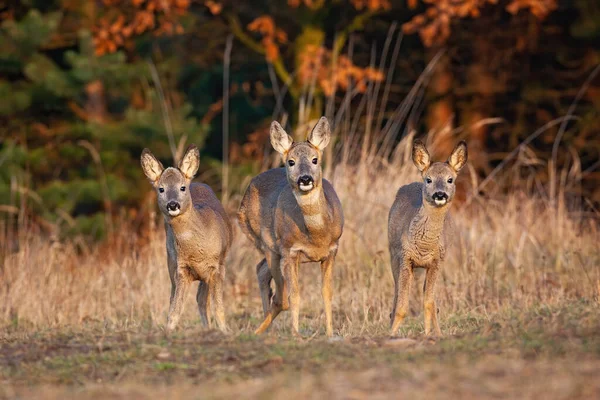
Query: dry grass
x: 519, y: 296
x: 513, y: 251
x: 522, y: 280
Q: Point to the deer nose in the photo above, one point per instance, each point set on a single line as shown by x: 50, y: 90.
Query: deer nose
x: 305, y: 180
x: 440, y: 196
x: 172, y: 206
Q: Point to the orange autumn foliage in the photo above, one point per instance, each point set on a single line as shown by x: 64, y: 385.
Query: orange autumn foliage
x: 271, y: 35
x: 434, y: 24
x: 370, y: 5
x: 214, y: 7
x: 125, y: 19
x: 312, y: 4
x: 316, y: 63
x: 539, y: 8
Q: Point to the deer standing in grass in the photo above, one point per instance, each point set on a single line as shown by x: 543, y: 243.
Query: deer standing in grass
x: 198, y: 234
x: 418, y: 229
x: 293, y: 215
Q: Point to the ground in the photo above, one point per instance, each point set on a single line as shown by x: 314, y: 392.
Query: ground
x: 544, y: 352
x: 518, y: 294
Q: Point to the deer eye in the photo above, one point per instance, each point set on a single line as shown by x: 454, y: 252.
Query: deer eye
x: 291, y: 163
x: 450, y: 180
x: 162, y: 190
x: 182, y: 188
x: 428, y: 180
x: 315, y: 161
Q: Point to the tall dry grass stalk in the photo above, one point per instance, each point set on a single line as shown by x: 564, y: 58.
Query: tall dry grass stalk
x: 512, y: 251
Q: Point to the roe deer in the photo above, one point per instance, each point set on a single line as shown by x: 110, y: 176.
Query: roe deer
x: 418, y: 228
x: 293, y: 215
x: 198, y: 234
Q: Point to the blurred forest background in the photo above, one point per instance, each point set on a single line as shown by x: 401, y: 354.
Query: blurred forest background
x: 86, y: 85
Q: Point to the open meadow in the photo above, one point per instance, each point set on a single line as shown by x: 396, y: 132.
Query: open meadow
x: 89, y: 90
x: 518, y: 298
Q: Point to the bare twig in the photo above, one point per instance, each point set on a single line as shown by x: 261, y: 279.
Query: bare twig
x: 513, y: 153
x: 103, y: 184
x: 164, y: 109
x: 226, y: 68
x: 563, y: 127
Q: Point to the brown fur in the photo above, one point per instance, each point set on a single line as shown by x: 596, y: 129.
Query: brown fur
x: 418, y: 231
x: 197, y: 239
x: 291, y: 225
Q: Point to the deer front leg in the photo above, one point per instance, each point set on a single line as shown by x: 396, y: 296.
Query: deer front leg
x: 217, y: 295
x: 171, y: 261
x: 172, y: 265
x: 429, y: 306
x: 400, y: 309
x: 289, y: 264
x: 203, y: 303
x: 182, y: 281
x: 326, y: 290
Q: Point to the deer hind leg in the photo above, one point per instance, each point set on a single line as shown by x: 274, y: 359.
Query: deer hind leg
x: 395, y: 272
x: 429, y: 306
x: 217, y: 297
x: 264, y: 283
x: 203, y: 301
x: 279, y: 302
x: 404, y: 282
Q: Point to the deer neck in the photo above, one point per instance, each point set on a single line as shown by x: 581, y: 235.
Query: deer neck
x: 314, y: 208
x: 183, y: 224
x: 428, y: 224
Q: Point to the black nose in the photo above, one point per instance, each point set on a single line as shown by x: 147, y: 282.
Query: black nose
x: 440, y: 196
x: 172, y: 206
x: 305, y: 180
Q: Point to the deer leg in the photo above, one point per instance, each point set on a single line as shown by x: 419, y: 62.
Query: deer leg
x: 203, y: 303
x: 264, y: 283
x: 182, y: 282
x: 405, y: 279
x: 290, y: 274
x: 217, y: 295
x: 172, y: 265
x: 395, y: 272
x: 429, y: 306
x: 326, y: 290
x: 279, y: 302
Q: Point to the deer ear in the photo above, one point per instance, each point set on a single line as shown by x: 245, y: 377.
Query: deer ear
x: 190, y: 162
x: 420, y: 155
x: 280, y: 140
x: 321, y: 134
x: 458, y: 158
x: 151, y: 166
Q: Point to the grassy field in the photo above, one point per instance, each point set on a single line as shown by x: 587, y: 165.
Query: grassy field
x: 541, y: 352
x: 518, y: 298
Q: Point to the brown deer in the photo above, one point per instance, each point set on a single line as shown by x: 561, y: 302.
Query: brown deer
x: 293, y: 215
x: 198, y: 234
x: 418, y: 229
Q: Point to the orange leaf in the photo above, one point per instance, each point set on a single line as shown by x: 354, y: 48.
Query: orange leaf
x: 214, y: 7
